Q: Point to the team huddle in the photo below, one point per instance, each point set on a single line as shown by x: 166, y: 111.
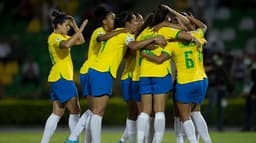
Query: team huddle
x: 162, y: 53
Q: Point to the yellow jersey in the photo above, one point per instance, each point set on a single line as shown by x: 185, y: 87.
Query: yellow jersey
x: 185, y: 57
x: 138, y: 58
x: 112, y: 53
x: 62, y: 66
x: 136, y: 70
x: 199, y: 34
x: 152, y: 69
x: 130, y: 61
x: 93, y: 50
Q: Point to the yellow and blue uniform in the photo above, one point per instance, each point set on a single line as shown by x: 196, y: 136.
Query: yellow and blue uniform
x: 128, y: 85
x: 156, y: 78
x: 61, y: 75
x: 130, y: 81
x: 199, y: 34
x: 189, y: 77
x: 94, y: 47
x: 104, y: 68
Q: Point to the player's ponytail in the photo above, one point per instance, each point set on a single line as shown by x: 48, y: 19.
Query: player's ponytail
x: 160, y: 15
x: 55, y: 13
x: 58, y: 18
x: 122, y: 18
x: 100, y: 13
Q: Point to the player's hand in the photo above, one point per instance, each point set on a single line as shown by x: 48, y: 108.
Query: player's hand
x: 151, y: 46
x: 160, y: 40
x: 83, y: 25
x: 143, y: 53
x: 197, y: 42
x: 160, y: 25
x: 72, y: 21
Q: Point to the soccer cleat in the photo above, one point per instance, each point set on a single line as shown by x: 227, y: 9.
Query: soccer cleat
x: 69, y: 141
x: 120, y: 141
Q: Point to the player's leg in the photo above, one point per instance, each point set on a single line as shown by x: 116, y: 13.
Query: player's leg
x: 52, y: 121
x: 80, y: 126
x: 143, y: 118
x: 98, y: 108
x: 130, y: 130
x: 88, y: 137
x: 200, y: 124
x: 62, y: 92
x: 146, y: 107
x: 100, y: 84
x: 159, y: 121
x: 198, y: 119
x: 126, y: 92
x: 178, y: 129
x: 131, y: 120
x: 185, y: 95
x: 74, y: 108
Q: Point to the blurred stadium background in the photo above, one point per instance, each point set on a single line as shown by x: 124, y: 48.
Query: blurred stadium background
x: 25, y: 63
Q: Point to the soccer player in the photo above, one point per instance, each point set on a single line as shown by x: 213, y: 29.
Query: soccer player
x: 103, y: 32
x: 130, y: 89
x: 155, y: 78
x: 103, y: 70
x: 63, y: 89
x: 198, y: 29
x: 184, y: 55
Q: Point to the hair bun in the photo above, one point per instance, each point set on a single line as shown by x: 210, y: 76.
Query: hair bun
x: 56, y: 13
x: 100, y: 11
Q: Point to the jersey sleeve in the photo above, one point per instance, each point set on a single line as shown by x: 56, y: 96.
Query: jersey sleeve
x: 57, y: 40
x: 98, y: 34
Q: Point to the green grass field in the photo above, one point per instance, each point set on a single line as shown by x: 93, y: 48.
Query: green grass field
x: 112, y: 136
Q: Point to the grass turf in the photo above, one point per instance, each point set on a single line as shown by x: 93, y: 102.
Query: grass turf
x: 112, y: 136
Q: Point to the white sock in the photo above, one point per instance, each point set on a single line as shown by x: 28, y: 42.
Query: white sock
x: 149, y: 135
x: 190, y: 131
x: 201, y: 126
x: 95, y: 126
x: 180, y: 135
x: 72, y: 121
x: 131, y: 130
x: 142, y: 125
x: 79, y: 127
x: 125, y: 134
x: 50, y: 127
x: 88, y: 138
x: 159, y: 126
x: 197, y: 134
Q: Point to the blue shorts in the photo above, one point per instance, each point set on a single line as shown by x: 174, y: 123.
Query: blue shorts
x: 136, y: 91
x: 155, y: 85
x: 84, y: 84
x: 100, y: 83
x: 189, y: 92
x: 130, y: 90
x: 205, y: 86
x: 63, y: 90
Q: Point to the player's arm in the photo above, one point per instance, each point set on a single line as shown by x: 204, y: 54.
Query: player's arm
x: 72, y: 41
x: 157, y: 59
x: 198, y: 23
x: 159, y: 40
x: 180, y: 16
x: 186, y: 36
x: 185, y: 28
x: 73, y: 24
x: 167, y: 24
x: 109, y: 35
